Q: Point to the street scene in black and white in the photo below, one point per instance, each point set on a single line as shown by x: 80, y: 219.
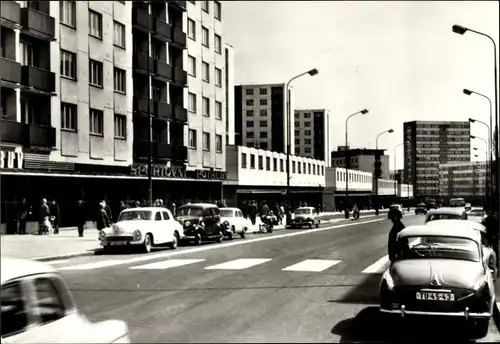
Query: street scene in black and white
x: 249, y: 171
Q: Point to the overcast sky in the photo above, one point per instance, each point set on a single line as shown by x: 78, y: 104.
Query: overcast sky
x: 398, y: 59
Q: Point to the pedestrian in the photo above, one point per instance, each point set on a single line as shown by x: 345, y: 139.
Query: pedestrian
x: 43, y: 215
x: 252, y: 211
x: 22, y: 215
x: 277, y: 211
x: 491, y: 224
x: 107, y: 208
x: 102, y: 220
x: 54, y: 216
x: 123, y: 206
x: 397, y: 226
x: 80, y: 217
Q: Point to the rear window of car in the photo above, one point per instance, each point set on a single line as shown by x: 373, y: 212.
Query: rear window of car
x: 434, y: 217
x: 303, y: 211
x: 226, y: 213
x: 190, y: 211
x: 439, y: 247
x: 136, y: 215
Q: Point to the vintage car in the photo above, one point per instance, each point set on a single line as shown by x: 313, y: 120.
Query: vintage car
x: 234, y: 220
x: 421, y: 209
x: 476, y: 214
x: 439, y: 271
x: 446, y: 213
x: 201, y: 221
x: 468, y: 206
x: 144, y: 227
x: 305, y: 216
x: 37, y: 307
x: 396, y: 207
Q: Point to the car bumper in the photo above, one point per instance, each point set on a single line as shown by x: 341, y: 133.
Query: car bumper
x: 123, y: 242
x: 465, y: 314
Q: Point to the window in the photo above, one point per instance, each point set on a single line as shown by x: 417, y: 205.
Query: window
x: 218, y: 77
x: 217, y: 10
x: 119, y: 35
x: 249, y: 112
x: 165, y: 215
x: 218, y: 143
x: 48, y: 301
x: 95, y: 69
x: 307, y: 124
x: 263, y: 134
x: 263, y: 113
x: 158, y: 216
x: 205, y: 106
x: 263, y: 102
x: 14, y: 312
x: 205, y: 72
x: 120, y: 80
x: 192, y: 102
x: 206, y: 141
x: 120, y: 126
x: 192, y: 29
x: 263, y: 124
x: 95, y: 24
x: 249, y: 91
x: 96, y: 122
x: 191, y: 65
x: 192, y: 142
x: 307, y: 132
x: 67, y: 13
x: 307, y: 141
x: 249, y: 124
x: 68, y: 64
x: 218, y: 110
x: 243, y: 160
x: 281, y: 166
x: 205, y: 39
x: 205, y: 6
x: 252, y: 161
x: 307, y: 150
x: 218, y: 44
x: 261, y: 162
x: 250, y: 135
x: 29, y: 56
x: 68, y: 116
x: 275, y: 164
x: 268, y: 163
x: 249, y: 102
x: 263, y: 91
x: 297, y: 141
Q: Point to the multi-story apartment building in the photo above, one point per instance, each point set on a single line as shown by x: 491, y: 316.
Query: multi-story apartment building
x: 261, y: 117
x: 463, y: 179
x: 361, y: 160
x: 312, y: 134
x: 433, y: 143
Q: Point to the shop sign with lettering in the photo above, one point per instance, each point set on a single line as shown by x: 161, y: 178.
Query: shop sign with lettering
x: 11, y: 160
x: 162, y: 171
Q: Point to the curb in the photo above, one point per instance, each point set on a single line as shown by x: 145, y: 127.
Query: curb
x: 64, y: 256
x: 496, y: 314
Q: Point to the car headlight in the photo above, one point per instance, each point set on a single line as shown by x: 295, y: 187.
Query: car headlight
x: 137, y: 235
x: 226, y: 223
x: 102, y: 235
x: 187, y: 224
x: 200, y: 221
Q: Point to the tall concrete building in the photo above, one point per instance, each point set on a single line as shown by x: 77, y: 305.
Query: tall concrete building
x: 433, y: 143
x: 261, y: 117
x: 362, y: 159
x: 312, y: 134
x: 463, y: 179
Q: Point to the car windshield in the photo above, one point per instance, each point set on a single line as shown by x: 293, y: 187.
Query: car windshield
x: 434, y: 217
x: 476, y: 212
x: 442, y: 247
x: 226, y: 213
x: 457, y: 202
x: 302, y: 211
x: 135, y: 215
x: 189, y: 211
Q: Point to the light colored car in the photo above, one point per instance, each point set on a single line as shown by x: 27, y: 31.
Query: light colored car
x: 305, y: 216
x: 37, y: 307
x: 439, y: 271
x: 476, y: 214
x: 446, y: 213
x: 145, y: 227
x: 235, y: 221
x: 397, y: 207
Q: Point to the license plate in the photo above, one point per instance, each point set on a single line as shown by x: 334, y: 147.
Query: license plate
x: 435, y: 296
x: 117, y: 243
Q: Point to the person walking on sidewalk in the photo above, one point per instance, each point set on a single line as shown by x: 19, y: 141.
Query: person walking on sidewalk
x: 22, y: 214
x: 107, y: 208
x: 395, y: 216
x: 80, y: 217
x: 43, y: 214
x: 54, y: 216
x: 102, y: 220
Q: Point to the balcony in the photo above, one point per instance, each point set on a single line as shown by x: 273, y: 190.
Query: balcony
x: 163, y: 151
x: 10, y: 71
x: 181, y: 5
x: 180, y: 76
x: 140, y: 19
x: 163, y: 71
x: 141, y: 64
x: 162, y: 30
x: 180, y: 153
x: 141, y: 105
x: 37, y: 78
x: 178, y: 38
x: 10, y: 13
x: 41, y: 136
x: 13, y: 132
x: 163, y: 110
x: 28, y: 134
x: 180, y: 114
x: 37, y: 24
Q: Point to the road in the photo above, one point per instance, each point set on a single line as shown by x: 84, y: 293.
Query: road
x: 253, y: 289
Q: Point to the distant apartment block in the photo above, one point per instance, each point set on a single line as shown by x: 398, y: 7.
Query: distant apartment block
x: 362, y: 159
x: 312, y: 134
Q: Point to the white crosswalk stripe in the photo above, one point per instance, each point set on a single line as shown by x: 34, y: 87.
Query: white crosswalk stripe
x: 91, y: 266
x: 378, y: 267
x: 171, y: 263
x: 56, y: 262
x: 312, y: 265
x: 238, y: 264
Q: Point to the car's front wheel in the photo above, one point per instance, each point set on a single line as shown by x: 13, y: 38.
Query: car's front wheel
x: 147, y: 244
x: 175, y: 241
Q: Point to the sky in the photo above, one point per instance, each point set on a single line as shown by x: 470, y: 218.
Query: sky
x: 400, y: 60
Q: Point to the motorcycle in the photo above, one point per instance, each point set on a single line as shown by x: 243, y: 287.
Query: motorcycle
x: 267, y: 225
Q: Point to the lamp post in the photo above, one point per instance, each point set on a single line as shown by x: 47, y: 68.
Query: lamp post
x: 150, y: 118
x: 395, y: 182
x: 311, y: 72
x: 462, y: 30
x: 489, y: 162
x: 348, y: 160
x: 390, y: 131
x: 479, y: 138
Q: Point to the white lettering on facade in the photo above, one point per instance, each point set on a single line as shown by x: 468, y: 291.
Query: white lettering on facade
x: 11, y: 160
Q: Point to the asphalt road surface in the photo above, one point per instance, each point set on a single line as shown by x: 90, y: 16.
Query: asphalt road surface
x: 317, y: 285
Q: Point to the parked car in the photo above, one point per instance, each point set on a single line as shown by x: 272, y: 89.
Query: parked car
x: 305, y: 216
x: 397, y: 207
x: 37, y: 307
x: 235, y: 221
x: 421, y: 209
x: 202, y: 222
x: 145, y: 227
x: 477, y: 214
x: 468, y: 206
x: 446, y: 213
x: 439, y: 271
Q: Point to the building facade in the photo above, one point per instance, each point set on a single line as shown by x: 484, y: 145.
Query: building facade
x: 261, y: 116
x: 361, y: 160
x: 465, y: 179
x: 433, y: 143
x: 312, y: 134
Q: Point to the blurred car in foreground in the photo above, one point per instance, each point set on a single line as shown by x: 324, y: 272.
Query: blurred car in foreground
x: 37, y: 307
x: 439, y: 271
x: 446, y: 214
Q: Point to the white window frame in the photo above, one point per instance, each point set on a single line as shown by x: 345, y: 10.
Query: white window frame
x: 205, y: 37
x: 218, y: 44
x: 191, y: 29
x: 217, y: 10
x: 96, y: 122
x: 206, y: 141
x: 192, y: 139
x: 95, y: 24
x: 205, y: 6
x: 218, y: 143
x: 120, y: 80
x: 192, y: 100
x: 218, y: 77
x: 205, y: 71
x: 67, y: 13
x: 205, y: 105
x: 68, y: 64
x: 28, y: 113
x: 218, y: 110
x: 191, y: 65
x: 120, y: 126
x: 28, y: 54
x: 119, y: 38
x: 69, y: 117
x: 95, y: 73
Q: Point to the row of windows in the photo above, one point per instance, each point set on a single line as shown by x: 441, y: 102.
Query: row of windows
x: 69, y: 121
x: 205, y: 36
x: 449, y: 126
x: 355, y: 178
x: 205, y: 102
x: 193, y: 141
x: 251, y: 102
x: 257, y: 144
x: 307, y: 168
x: 205, y: 6
x: 263, y: 112
x: 250, y: 91
x: 306, y: 124
x: 205, y: 71
x: 306, y: 141
x: 251, y: 134
x: 308, y: 114
x: 307, y: 150
x: 305, y: 132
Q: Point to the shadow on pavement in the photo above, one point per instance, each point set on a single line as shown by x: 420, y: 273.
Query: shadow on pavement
x: 364, y: 293
x: 369, y: 325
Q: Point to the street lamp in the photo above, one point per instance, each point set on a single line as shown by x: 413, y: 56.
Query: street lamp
x: 489, y: 162
x: 479, y: 138
x: 395, y: 182
x: 348, y: 160
x: 390, y: 131
x: 462, y: 30
x: 311, y: 72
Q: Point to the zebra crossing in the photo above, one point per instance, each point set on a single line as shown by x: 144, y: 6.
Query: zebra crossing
x: 306, y: 265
